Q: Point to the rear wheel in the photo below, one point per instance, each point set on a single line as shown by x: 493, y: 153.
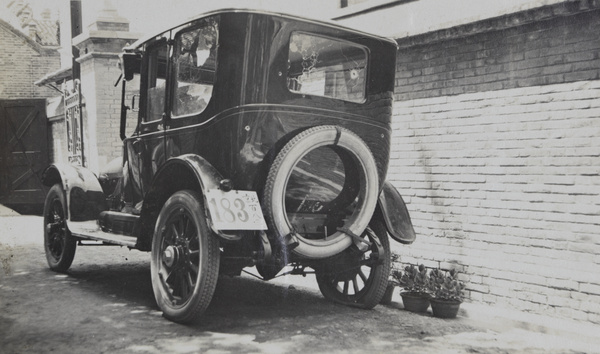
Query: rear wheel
x: 358, y: 276
x: 185, y: 258
x: 59, y: 245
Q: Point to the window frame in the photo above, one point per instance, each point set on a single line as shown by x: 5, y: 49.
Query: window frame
x: 366, y: 69
x: 175, y: 61
x: 147, y: 78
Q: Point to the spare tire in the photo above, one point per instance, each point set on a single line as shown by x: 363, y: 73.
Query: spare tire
x: 353, y: 201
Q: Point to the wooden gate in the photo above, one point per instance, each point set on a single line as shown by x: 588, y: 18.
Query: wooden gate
x: 23, y: 151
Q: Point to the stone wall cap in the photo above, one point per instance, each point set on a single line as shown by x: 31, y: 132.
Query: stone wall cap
x: 561, y: 9
x: 91, y: 55
x: 87, y: 35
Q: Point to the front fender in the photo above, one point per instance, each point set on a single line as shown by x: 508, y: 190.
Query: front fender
x: 395, y: 214
x: 85, y: 199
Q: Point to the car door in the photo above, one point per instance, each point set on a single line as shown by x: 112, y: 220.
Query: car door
x: 194, y: 62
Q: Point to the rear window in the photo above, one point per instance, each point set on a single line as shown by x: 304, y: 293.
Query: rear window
x: 327, y: 67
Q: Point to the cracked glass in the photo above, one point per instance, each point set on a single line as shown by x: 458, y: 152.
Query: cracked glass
x: 327, y: 67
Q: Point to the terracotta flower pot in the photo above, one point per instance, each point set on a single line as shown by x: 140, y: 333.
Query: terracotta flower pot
x: 445, y: 308
x: 415, y: 302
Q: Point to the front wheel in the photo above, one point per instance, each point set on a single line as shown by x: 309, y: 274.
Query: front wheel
x: 59, y: 245
x: 185, y: 258
x: 358, y: 276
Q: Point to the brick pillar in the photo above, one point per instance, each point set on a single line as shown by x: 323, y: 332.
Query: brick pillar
x: 99, y: 46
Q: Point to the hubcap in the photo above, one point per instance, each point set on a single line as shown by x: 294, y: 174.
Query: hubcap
x: 170, y: 256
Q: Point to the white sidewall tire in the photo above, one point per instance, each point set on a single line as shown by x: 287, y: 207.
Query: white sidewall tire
x: 278, y: 177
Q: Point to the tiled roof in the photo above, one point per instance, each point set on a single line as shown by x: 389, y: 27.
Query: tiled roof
x: 44, y: 31
x: 47, y: 32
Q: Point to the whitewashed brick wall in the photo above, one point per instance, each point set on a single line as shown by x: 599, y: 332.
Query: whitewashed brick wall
x: 505, y: 186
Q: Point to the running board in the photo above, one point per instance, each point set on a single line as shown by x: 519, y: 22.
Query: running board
x: 90, y: 230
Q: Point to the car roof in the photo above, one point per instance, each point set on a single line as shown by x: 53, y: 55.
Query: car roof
x: 330, y: 24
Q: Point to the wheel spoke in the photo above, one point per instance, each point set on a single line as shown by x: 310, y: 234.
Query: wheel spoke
x: 355, y: 284
x: 367, y: 263
x: 174, y: 285
x: 169, y: 274
x: 192, y: 239
x: 183, y: 289
x: 174, y: 231
x: 362, y: 276
x: 186, y: 228
x: 181, y: 224
x: 345, y: 288
x: 190, y: 281
x: 194, y: 268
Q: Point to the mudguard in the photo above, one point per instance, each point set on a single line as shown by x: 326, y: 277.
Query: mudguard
x: 395, y: 214
x: 187, y: 171
x: 85, y: 199
x: 205, y: 173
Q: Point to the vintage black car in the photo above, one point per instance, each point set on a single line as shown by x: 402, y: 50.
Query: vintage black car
x: 260, y: 139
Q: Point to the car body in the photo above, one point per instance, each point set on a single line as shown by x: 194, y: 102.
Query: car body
x: 260, y: 139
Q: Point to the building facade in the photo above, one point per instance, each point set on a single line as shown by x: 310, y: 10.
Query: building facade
x: 22, y: 62
x: 496, y: 149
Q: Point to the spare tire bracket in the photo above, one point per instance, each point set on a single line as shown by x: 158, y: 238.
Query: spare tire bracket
x: 353, y: 235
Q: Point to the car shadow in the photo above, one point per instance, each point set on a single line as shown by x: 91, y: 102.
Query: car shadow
x: 236, y: 303
x: 129, y: 282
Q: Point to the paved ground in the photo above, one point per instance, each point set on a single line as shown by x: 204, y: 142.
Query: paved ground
x: 105, y: 304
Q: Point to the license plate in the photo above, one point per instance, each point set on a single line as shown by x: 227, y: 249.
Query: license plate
x: 235, y: 210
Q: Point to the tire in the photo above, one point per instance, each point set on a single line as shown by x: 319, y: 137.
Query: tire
x: 274, y: 195
x: 184, y: 263
x: 59, y: 245
x: 343, y: 282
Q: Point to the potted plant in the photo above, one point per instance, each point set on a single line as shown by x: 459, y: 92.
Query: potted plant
x: 446, y: 291
x: 413, y: 281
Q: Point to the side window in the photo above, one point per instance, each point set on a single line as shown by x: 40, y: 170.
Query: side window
x: 327, y: 67
x: 156, y: 88
x: 196, y: 64
x: 132, y: 98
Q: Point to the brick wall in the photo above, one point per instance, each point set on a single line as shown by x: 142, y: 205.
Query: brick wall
x: 102, y: 111
x: 545, y: 46
x: 109, y: 110
x: 99, y: 50
x: 497, y: 152
x: 22, y: 62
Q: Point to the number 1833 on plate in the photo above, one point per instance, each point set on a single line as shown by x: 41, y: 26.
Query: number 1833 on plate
x: 235, y: 210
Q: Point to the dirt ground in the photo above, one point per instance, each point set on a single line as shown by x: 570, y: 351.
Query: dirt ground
x: 105, y: 305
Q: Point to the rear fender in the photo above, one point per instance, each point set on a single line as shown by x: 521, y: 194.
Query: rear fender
x: 183, y: 172
x: 393, y: 211
x: 85, y: 199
